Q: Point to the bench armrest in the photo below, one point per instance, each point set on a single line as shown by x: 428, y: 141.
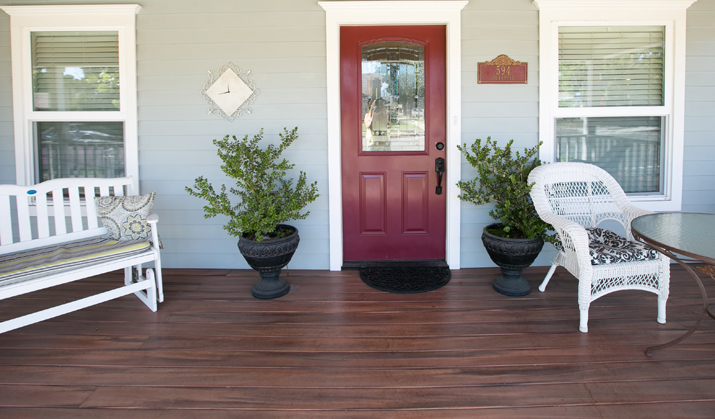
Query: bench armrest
x: 153, y: 219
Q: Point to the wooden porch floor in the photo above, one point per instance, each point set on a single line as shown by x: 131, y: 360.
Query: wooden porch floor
x: 335, y: 348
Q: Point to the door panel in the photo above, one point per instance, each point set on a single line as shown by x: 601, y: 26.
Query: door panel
x: 373, y: 202
x: 393, y: 114
x: 415, y: 203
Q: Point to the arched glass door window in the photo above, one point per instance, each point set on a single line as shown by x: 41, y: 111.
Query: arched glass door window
x: 393, y: 96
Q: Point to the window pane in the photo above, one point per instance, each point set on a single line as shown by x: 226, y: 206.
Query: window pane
x: 75, y: 71
x: 611, y: 66
x: 79, y: 149
x: 629, y: 148
x: 393, y: 97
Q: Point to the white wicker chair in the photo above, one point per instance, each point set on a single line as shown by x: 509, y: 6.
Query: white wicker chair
x: 575, y: 196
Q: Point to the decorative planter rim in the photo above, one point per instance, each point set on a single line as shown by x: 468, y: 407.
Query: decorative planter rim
x: 493, y: 225
x: 271, y: 241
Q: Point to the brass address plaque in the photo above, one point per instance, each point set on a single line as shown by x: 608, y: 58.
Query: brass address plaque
x: 502, y: 70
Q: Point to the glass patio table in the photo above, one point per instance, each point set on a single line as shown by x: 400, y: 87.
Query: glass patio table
x: 676, y: 235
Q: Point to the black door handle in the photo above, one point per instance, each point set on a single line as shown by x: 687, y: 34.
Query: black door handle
x: 439, y: 168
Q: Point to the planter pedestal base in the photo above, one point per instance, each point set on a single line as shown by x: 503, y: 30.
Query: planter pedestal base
x: 270, y: 286
x: 511, y: 283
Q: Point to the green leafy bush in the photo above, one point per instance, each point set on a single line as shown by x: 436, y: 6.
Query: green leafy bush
x: 266, y: 197
x: 502, y: 179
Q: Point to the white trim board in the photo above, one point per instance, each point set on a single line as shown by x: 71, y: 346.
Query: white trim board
x: 343, y: 13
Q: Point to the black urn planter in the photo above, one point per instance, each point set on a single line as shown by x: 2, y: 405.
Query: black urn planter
x: 268, y: 257
x: 512, y: 256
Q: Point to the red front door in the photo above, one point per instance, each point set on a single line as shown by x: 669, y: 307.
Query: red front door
x: 393, y: 133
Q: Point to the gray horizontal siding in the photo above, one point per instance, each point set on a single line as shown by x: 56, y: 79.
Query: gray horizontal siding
x: 699, y: 93
x: 699, y: 172
x: 212, y: 172
x: 701, y: 13
x: 273, y: 113
x: 282, y: 43
x: 279, y: 65
x: 503, y: 14
x: 257, y: 20
x: 266, y: 36
x: 503, y: 112
x: 210, y: 129
x: 222, y: 7
x: 178, y: 158
x: 220, y: 50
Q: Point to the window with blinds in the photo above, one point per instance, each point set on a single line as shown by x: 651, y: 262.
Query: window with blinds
x: 611, y: 66
x: 75, y: 71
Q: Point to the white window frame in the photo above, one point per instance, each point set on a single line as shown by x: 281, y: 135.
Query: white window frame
x: 27, y: 19
x: 668, y: 13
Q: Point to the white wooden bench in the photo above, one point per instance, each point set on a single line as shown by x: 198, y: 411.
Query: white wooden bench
x: 31, y: 221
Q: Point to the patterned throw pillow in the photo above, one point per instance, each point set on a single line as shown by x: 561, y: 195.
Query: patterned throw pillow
x: 125, y: 216
x: 605, y: 246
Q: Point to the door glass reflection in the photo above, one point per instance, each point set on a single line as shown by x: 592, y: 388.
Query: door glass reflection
x: 393, y: 97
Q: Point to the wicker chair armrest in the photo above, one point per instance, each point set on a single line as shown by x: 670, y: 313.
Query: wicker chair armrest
x: 632, y: 212
x: 623, y: 202
x: 573, y: 237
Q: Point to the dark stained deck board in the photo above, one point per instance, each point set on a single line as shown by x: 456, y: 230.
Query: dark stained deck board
x: 347, y: 377
x: 334, y: 347
x: 698, y: 410
x: 393, y: 398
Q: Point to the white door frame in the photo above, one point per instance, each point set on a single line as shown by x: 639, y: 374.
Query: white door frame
x: 343, y: 13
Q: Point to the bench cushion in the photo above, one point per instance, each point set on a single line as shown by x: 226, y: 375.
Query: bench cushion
x: 605, y: 246
x: 44, y: 261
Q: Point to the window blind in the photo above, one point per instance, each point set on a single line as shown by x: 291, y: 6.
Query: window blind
x: 611, y: 66
x: 75, y: 71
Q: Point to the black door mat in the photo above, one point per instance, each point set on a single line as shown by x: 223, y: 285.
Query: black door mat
x: 406, y: 280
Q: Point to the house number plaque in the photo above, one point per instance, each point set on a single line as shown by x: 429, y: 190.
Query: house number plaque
x: 502, y: 70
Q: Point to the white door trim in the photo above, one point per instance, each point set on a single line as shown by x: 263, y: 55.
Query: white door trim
x: 343, y: 13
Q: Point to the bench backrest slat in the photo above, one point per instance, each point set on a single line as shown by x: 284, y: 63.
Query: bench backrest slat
x: 43, y: 219
x: 25, y: 211
x: 23, y: 218
x: 90, y: 194
x: 75, y: 209
x: 59, y: 212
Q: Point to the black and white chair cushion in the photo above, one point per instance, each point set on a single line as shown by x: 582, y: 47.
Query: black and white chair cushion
x: 605, y: 246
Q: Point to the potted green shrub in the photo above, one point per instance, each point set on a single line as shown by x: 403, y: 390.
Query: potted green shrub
x: 264, y: 200
x: 514, y: 242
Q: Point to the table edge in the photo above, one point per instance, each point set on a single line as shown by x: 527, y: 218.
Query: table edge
x: 649, y: 241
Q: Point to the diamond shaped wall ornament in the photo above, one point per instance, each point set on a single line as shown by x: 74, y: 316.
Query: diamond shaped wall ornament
x: 229, y: 92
